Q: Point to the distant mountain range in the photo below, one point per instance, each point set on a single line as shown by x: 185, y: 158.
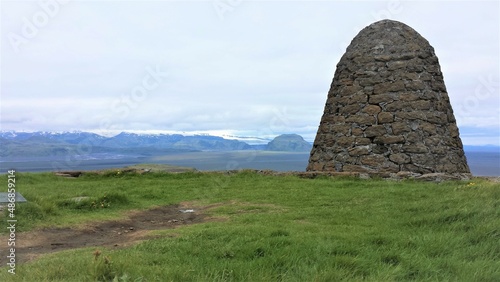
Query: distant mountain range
x: 52, y: 144
x: 47, y: 144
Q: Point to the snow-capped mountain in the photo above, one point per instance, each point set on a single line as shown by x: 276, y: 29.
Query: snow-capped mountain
x: 48, y: 143
x: 42, y: 143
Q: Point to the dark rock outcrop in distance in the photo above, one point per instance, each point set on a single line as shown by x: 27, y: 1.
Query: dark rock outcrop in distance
x: 289, y: 143
x: 388, y: 110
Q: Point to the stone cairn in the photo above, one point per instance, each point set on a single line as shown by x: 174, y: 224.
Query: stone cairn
x: 387, y: 110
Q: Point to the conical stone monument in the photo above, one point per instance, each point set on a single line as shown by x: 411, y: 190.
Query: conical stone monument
x: 387, y: 110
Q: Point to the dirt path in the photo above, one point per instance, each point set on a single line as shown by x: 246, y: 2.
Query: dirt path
x: 115, y: 233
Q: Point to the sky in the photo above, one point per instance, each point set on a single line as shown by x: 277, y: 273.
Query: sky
x: 222, y: 67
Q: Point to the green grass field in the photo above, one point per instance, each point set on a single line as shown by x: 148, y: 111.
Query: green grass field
x: 275, y: 228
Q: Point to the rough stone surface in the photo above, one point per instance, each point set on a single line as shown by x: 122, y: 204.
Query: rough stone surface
x: 388, y: 110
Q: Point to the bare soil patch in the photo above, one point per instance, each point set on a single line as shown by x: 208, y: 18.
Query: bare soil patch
x: 136, y: 227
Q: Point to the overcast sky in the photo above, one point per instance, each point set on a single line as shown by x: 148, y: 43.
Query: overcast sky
x: 248, y: 68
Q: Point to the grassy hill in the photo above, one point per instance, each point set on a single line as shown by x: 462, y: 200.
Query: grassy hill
x: 267, y: 228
